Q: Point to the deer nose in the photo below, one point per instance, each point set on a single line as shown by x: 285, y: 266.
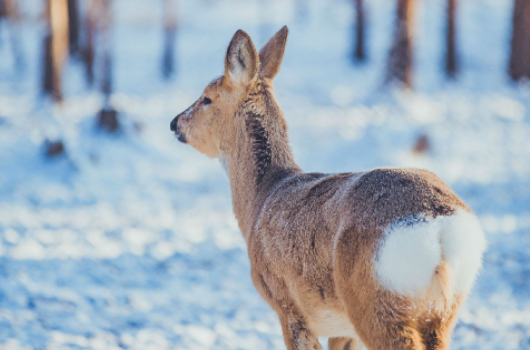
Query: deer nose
x: 173, y: 126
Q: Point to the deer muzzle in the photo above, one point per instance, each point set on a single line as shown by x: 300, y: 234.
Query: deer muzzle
x: 175, y: 128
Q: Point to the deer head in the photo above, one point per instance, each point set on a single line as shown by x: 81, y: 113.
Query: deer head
x: 213, y: 122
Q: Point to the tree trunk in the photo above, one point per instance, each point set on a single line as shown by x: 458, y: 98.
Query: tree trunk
x: 9, y: 12
x: 359, y: 53
x: 170, y: 31
x: 451, y: 63
x: 88, y: 52
x: 107, y: 117
x: 105, y: 18
x: 55, y: 47
x: 520, y: 47
x: 73, y: 26
x: 400, y: 60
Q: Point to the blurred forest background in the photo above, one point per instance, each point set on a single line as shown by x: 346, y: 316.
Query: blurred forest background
x: 81, y: 34
x: 115, y: 236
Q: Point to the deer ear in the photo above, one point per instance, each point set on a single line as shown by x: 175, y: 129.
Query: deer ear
x: 241, y: 62
x: 271, y: 55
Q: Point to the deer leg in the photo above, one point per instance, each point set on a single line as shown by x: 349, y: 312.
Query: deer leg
x: 344, y: 344
x: 296, y: 333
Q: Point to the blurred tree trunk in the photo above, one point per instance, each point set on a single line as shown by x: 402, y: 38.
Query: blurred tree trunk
x: 105, y: 17
x: 73, y: 26
x: 55, y: 47
x: 170, y: 31
x: 359, y: 53
x: 107, y: 117
x: 451, y: 62
x: 400, y: 60
x: 4, y: 10
x: 520, y: 47
x: 87, y: 51
x: 10, y: 14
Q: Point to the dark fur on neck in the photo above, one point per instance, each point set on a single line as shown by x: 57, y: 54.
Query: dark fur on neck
x: 261, y: 148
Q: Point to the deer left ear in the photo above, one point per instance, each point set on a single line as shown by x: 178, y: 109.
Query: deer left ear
x: 271, y: 55
x: 241, y: 62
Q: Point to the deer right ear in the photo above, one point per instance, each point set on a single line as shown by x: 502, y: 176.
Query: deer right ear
x: 241, y: 62
x: 271, y: 55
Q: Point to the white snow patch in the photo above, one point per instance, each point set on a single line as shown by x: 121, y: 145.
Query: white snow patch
x: 11, y: 236
x: 28, y: 249
x: 202, y: 335
x: 507, y: 108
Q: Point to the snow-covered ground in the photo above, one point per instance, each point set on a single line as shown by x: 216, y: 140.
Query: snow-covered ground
x: 129, y: 242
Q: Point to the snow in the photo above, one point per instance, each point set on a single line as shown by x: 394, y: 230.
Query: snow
x: 129, y: 241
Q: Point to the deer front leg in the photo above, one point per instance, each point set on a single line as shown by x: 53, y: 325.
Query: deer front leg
x: 296, y: 334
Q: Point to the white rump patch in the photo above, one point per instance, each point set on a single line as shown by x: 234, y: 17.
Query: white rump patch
x: 414, y: 247
x: 463, y: 244
x: 409, y: 255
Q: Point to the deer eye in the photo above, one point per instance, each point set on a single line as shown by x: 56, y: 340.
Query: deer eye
x: 206, y: 101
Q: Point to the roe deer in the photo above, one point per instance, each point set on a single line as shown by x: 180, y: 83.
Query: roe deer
x: 382, y: 257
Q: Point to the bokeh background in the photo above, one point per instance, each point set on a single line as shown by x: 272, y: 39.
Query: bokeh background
x: 113, y: 235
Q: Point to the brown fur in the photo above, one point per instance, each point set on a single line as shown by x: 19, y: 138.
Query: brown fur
x: 442, y: 291
x: 312, y: 237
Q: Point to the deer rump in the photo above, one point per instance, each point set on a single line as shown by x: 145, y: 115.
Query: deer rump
x: 434, y: 258
x: 396, y: 231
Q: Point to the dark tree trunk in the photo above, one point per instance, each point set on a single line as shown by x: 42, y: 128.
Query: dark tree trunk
x: 451, y: 62
x: 400, y: 59
x: 47, y: 68
x: 106, y: 77
x: 359, y: 53
x: 47, y: 53
x: 55, y: 47
x: 107, y: 117
x: 73, y: 27
x: 170, y: 34
x: 87, y: 51
x: 520, y: 47
x: 3, y: 9
x: 106, y: 63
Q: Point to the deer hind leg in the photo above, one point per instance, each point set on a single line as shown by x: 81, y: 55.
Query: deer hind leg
x: 382, y: 320
x: 392, y: 336
x: 344, y: 344
x: 296, y: 333
x: 436, y: 330
x: 389, y: 322
x: 397, y: 328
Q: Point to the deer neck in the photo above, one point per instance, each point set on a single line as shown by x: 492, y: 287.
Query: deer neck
x: 260, y: 159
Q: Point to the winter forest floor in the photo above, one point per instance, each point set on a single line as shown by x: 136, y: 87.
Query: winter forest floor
x: 129, y: 241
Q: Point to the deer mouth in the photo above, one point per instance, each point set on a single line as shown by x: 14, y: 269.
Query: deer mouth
x: 174, y: 127
x: 180, y: 136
